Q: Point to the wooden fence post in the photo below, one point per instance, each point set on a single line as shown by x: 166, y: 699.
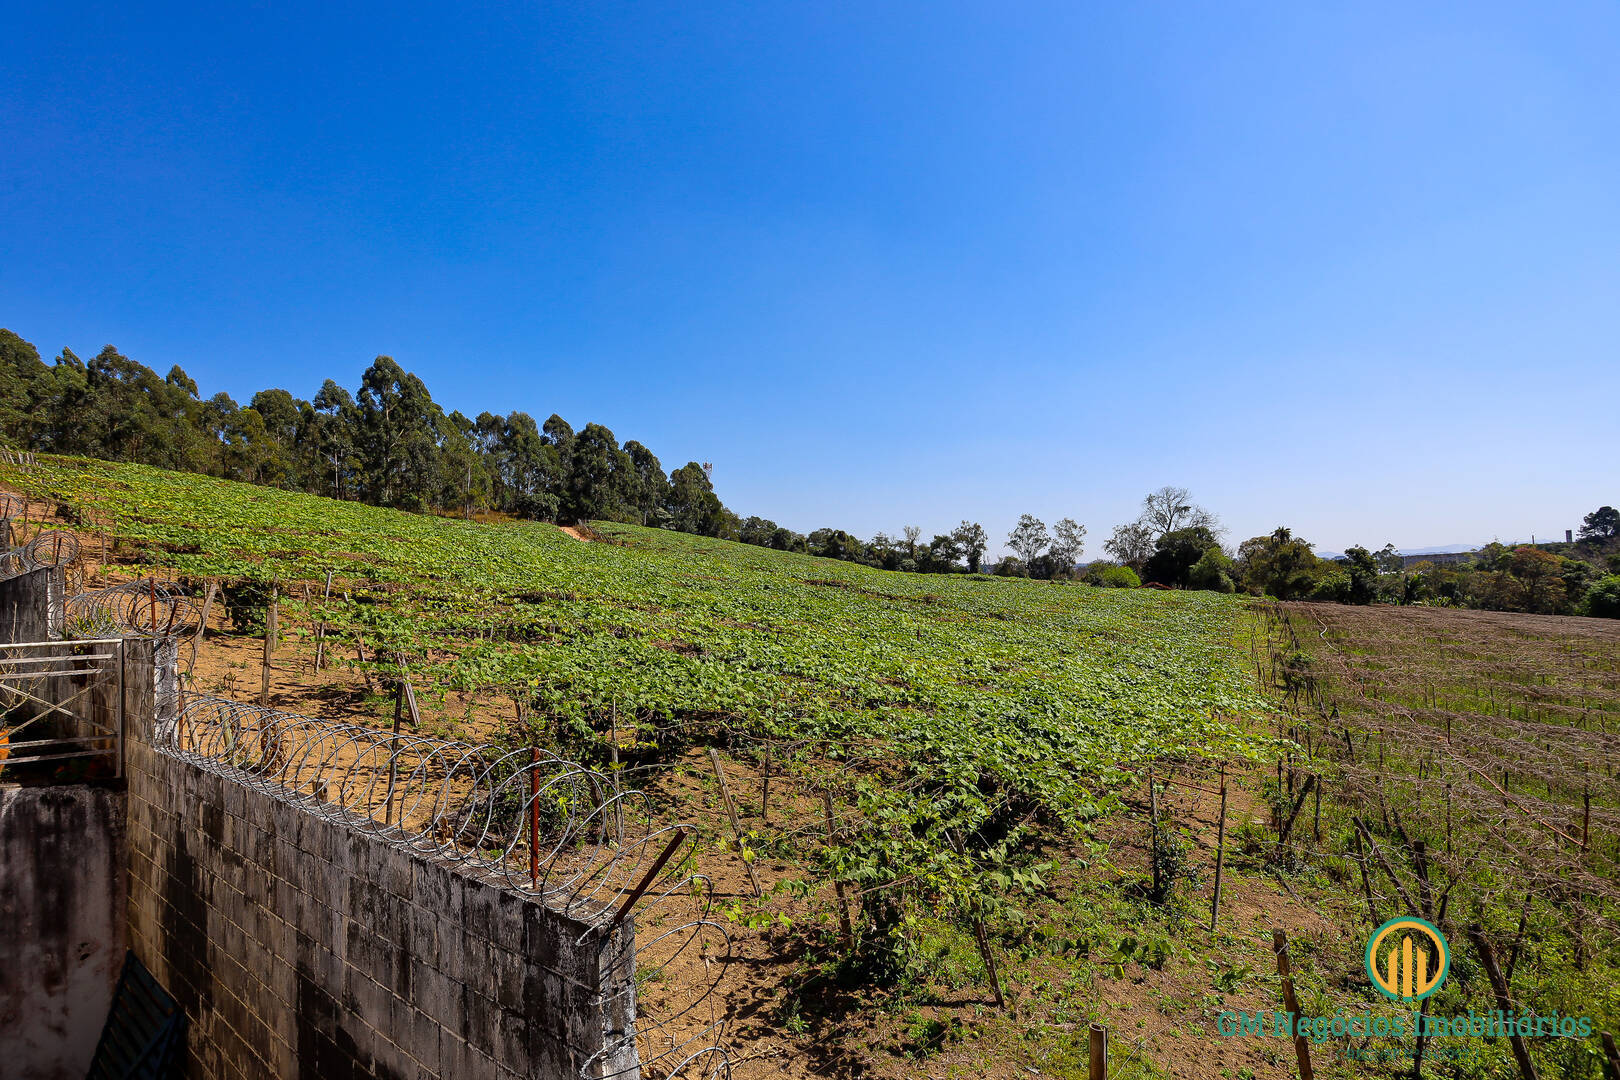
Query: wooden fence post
x: 202, y: 626
x: 736, y: 828
x: 1499, y: 985
x: 320, y: 627
x: 1220, y: 855
x: 269, y: 650
x: 1302, y: 1049
x: 838, y: 885
x: 1097, y: 1056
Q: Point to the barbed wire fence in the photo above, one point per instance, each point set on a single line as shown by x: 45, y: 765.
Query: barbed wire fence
x: 526, y: 820
x: 1470, y: 764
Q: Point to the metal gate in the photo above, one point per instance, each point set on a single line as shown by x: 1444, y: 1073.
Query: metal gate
x: 60, y: 701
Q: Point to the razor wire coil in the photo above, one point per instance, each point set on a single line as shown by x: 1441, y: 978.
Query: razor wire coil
x: 142, y: 608
x: 527, y: 820
x: 53, y: 547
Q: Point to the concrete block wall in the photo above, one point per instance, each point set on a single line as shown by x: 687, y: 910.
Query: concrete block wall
x: 31, y: 605
x: 62, y: 864
x: 299, y: 945
x: 302, y: 947
x: 61, y: 907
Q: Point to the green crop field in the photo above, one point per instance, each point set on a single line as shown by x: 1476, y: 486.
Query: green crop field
x: 952, y: 718
x: 982, y: 743
x: 1047, y: 688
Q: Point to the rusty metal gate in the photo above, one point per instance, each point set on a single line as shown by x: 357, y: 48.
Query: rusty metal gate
x: 62, y: 701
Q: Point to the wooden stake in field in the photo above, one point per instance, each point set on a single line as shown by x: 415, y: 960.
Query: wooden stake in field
x: 1302, y: 1048
x: 1097, y: 1053
x: 1389, y: 871
x: 313, y: 627
x: 1366, y: 880
x: 1504, y: 1000
x: 613, y: 751
x: 360, y: 652
x: 1316, y: 829
x: 409, y: 693
x: 736, y: 827
x: 393, y: 767
x: 1611, y: 1054
x: 534, y: 817
x: 1422, y: 1041
x: 320, y: 627
x: 1220, y: 855
x: 838, y: 886
x: 202, y: 626
x: 1288, y: 825
x: 765, y: 788
x: 1586, y: 816
x: 1153, y: 837
x: 269, y: 650
x: 981, y: 937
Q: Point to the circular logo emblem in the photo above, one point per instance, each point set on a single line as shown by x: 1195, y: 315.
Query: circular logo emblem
x: 1407, y: 959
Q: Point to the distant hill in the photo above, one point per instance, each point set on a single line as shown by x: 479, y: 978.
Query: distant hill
x: 1452, y: 549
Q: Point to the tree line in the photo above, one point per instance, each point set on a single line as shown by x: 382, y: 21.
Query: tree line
x: 1177, y: 543
x: 390, y: 444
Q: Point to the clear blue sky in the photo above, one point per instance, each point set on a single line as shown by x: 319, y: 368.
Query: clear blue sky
x: 1352, y: 267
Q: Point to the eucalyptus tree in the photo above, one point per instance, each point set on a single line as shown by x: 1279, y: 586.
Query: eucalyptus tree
x: 971, y: 538
x: 1029, y: 538
x: 397, y: 435
x: 692, y: 506
x: 1068, y: 544
x: 1172, y: 508
x: 601, y: 476
x: 651, y: 486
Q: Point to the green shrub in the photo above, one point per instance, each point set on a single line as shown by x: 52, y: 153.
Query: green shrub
x: 1603, y: 598
x: 1334, y: 586
x: 248, y: 603
x: 1213, y: 571
x: 1112, y: 576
